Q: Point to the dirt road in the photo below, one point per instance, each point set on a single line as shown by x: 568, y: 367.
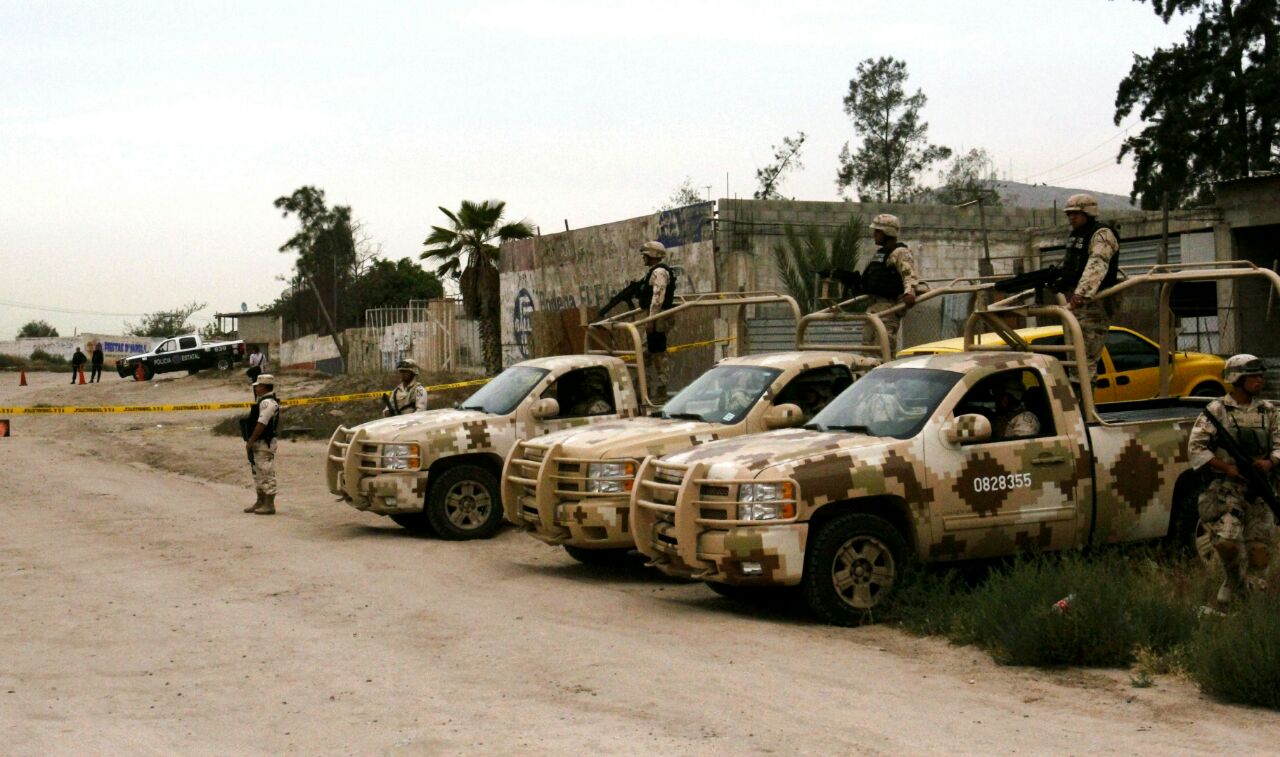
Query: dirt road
x: 143, y: 612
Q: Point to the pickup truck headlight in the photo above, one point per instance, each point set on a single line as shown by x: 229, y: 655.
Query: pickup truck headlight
x: 400, y: 457
x: 767, y: 501
x: 611, y: 478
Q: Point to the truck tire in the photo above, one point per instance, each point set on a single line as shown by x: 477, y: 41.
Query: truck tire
x: 598, y: 556
x: 413, y: 522
x: 147, y: 372
x: 1207, y: 389
x: 465, y: 502
x: 224, y: 363
x: 851, y: 565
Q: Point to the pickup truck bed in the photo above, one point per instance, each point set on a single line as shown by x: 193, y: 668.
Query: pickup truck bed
x: 1138, y: 411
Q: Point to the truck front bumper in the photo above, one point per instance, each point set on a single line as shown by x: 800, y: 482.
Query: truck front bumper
x: 352, y: 473
x: 537, y: 501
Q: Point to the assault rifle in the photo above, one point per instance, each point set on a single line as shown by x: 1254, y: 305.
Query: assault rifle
x: 850, y: 281
x: 1257, y: 481
x: 1045, y: 278
x: 386, y: 402
x: 628, y: 294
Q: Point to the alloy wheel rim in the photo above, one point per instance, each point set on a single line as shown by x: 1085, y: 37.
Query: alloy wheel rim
x: 862, y: 572
x: 467, y: 505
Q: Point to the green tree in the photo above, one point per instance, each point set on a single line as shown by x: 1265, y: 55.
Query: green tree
x: 895, y: 142
x: 467, y: 254
x: 166, y: 323
x: 800, y: 256
x: 36, y: 329
x: 965, y: 177
x: 786, y: 158
x: 1211, y: 103
x: 392, y: 284
x: 685, y: 194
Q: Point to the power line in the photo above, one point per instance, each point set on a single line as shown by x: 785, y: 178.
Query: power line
x: 1083, y: 172
x: 1123, y: 131
x: 71, y: 311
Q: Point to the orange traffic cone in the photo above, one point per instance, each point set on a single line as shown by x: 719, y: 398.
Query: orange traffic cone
x: 140, y: 376
x: 22, y: 381
x: 82, y: 375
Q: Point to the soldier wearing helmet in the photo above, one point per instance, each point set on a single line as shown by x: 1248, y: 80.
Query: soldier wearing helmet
x: 1012, y: 419
x: 259, y: 431
x: 409, y: 396
x: 890, y: 277
x: 1239, y: 522
x: 1091, y: 263
x: 657, y: 294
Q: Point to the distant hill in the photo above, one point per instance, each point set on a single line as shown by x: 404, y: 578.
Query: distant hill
x: 1015, y: 194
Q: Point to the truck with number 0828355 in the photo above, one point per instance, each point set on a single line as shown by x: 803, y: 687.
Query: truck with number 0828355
x: 905, y: 465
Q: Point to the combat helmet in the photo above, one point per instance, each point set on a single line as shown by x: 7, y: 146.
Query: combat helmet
x: 1240, y: 366
x: 654, y: 249
x: 1082, y: 203
x: 408, y: 365
x: 888, y: 223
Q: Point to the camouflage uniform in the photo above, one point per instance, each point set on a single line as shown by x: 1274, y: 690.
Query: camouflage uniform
x: 264, y: 452
x: 408, y: 399
x: 1017, y: 423
x: 1225, y: 506
x: 1094, y: 319
x: 658, y: 364
x: 904, y: 263
x: 590, y: 406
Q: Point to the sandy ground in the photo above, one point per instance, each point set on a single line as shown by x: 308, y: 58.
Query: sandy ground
x: 144, y: 613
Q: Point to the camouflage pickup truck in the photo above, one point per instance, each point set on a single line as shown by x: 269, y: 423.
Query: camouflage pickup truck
x: 905, y: 464
x: 438, y: 471
x: 572, y: 488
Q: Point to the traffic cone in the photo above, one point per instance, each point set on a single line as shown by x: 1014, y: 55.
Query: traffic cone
x: 82, y: 375
x: 140, y: 376
x: 22, y: 380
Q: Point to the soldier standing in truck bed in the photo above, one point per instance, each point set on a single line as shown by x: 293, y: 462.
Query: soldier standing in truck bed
x: 656, y: 295
x: 890, y: 277
x: 1091, y: 263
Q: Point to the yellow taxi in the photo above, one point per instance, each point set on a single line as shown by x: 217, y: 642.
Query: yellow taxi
x: 1129, y: 368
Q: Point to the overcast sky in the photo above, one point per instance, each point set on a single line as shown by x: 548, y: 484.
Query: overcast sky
x: 142, y: 144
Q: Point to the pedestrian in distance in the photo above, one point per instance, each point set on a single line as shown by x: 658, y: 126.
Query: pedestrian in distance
x: 409, y: 396
x: 889, y: 278
x: 1091, y: 263
x: 257, y: 364
x: 1239, y: 521
x: 656, y: 295
x: 77, y: 364
x: 95, y: 376
x: 259, y: 431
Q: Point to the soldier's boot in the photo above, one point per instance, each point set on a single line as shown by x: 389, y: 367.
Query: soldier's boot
x: 255, y: 505
x: 268, y: 506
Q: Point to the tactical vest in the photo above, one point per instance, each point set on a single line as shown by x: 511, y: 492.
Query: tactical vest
x: 646, y: 289
x: 251, y: 422
x: 881, y: 279
x: 1077, y: 255
x: 408, y: 395
x: 1254, y: 442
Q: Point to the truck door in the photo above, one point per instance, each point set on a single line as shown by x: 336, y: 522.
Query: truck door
x: 585, y: 395
x: 1016, y: 490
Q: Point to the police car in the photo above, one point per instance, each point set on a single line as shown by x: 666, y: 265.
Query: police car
x: 188, y: 353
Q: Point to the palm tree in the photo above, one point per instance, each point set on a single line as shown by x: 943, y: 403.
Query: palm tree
x: 803, y: 255
x: 467, y: 254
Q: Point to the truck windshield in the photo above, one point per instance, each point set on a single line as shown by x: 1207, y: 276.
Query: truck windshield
x: 723, y: 394
x: 501, y: 395
x: 892, y: 402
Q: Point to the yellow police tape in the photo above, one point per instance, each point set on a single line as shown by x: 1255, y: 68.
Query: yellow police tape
x: 68, y: 410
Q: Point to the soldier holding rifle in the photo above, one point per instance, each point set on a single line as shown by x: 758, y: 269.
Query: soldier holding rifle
x: 409, y: 396
x: 1234, y: 508
x: 1091, y: 263
x: 890, y: 277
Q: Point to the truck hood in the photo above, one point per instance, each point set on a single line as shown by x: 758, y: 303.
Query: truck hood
x: 418, y: 427
x: 788, y: 453
x: 637, y: 437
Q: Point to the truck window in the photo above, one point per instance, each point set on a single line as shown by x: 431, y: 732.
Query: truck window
x: 1015, y: 402
x: 501, y: 395
x: 724, y: 394
x: 894, y: 402
x: 813, y: 389
x: 187, y: 343
x: 165, y: 347
x: 583, y: 392
x: 1129, y: 353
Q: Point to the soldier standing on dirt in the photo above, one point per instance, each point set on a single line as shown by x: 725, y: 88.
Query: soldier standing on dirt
x: 657, y: 294
x: 95, y: 376
x: 1091, y: 263
x: 890, y: 277
x: 1239, y: 522
x: 77, y: 360
x: 409, y: 396
x: 260, y: 443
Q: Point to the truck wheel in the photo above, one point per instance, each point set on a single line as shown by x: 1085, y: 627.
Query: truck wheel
x: 224, y: 363
x: 464, y: 503
x: 1207, y: 389
x: 147, y: 373
x: 851, y: 566
x: 414, y: 522
x: 598, y: 556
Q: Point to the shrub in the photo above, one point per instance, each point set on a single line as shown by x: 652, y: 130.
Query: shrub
x: 14, y: 362
x: 1237, y: 658
x: 40, y: 356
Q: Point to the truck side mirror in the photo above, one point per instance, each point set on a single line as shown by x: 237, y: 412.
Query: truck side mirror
x: 967, y: 429
x: 546, y: 408
x: 785, y: 415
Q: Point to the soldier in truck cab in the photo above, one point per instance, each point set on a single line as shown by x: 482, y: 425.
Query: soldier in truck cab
x: 890, y: 277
